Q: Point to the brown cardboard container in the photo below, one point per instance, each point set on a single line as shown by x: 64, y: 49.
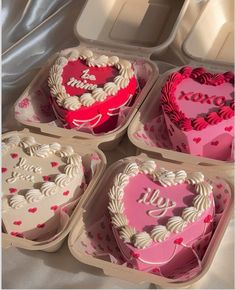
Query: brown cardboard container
x: 117, y: 29
x: 85, y: 219
x: 149, y: 110
x: 82, y: 148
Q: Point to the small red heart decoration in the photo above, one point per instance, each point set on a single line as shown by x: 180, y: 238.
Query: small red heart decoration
x: 225, y: 201
x: 54, y: 207
x: 135, y: 255
x: 54, y: 164
x: 197, y: 140
x: 46, y: 178
x: 4, y: 169
x: 40, y: 226
x: 178, y: 241
x: 155, y: 270
x: 219, y: 186
x: 12, y: 190
x: 32, y: 209
x: 17, y: 234
x: 214, y: 143
x: 17, y: 223
x: 219, y: 196
x: 184, y: 145
x: 208, y: 219
x: 228, y: 129
x: 14, y: 155
x: 66, y: 192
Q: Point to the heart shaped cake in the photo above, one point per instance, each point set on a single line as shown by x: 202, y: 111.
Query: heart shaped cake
x: 38, y: 181
x: 88, y: 90
x: 198, y: 107
x: 156, y: 213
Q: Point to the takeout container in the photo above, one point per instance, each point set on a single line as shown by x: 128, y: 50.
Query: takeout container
x: 211, y: 39
x: 141, y: 136
x: 84, y: 149
x: 92, y: 211
x: 116, y: 29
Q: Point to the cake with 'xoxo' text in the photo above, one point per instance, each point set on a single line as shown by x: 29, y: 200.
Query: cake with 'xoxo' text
x: 198, y: 108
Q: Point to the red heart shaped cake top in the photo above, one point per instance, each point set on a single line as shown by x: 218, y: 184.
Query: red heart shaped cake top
x: 88, y: 89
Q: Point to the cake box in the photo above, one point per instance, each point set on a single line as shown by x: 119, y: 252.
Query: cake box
x: 92, y: 242
x: 108, y: 37
x: 26, y: 207
x: 147, y: 130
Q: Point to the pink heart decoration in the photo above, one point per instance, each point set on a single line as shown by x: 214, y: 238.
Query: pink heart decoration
x: 228, y: 129
x: 12, y: 190
x: 17, y: 223
x: 215, y: 143
x: 219, y: 196
x: 197, y: 140
x: 4, y: 169
x: 219, y: 186
x: 46, y: 178
x: 32, y: 210
x: 178, y: 241
x: 65, y: 193
x: 208, y: 219
x: 14, y: 155
x: 54, y: 164
x: 17, y: 234
x: 135, y: 255
x: 40, y: 226
x: 54, y: 207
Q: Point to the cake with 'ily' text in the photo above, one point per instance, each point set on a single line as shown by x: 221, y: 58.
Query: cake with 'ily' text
x: 158, y: 214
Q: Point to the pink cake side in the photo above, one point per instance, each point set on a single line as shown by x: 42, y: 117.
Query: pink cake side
x: 156, y: 215
x: 199, y: 112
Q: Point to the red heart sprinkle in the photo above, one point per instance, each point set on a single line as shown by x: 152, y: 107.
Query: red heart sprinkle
x: 66, y: 193
x: 219, y: 186
x: 12, y: 190
x: 225, y: 201
x: 54, y: 164
x: 155, y: 270
x: 208, y: 219
x: 46, y: 178
x: 135, y: 255
x: 32, y: 209
x: 54, y: 207
x: 40, y: 226
x: 197, y: 140
x: 17, y: 223
x: 178, y: 241
x: 4, y: 169
x: 228, y: 128
x: 17, y: 234
x: 214, y: 143
x: 14, y: 155
x: 219, y: 196
x: 184, y: 145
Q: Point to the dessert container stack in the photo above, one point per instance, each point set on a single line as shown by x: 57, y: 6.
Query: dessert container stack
x: 118, y: 29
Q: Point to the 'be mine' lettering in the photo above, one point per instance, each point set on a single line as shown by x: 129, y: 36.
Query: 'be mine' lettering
x: 162, y: 204
x: 202, y: 98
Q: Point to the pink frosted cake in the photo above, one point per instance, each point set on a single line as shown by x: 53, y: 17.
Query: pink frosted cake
x: 38, y: 182
x: 198, y: 107
x: 156, y: 214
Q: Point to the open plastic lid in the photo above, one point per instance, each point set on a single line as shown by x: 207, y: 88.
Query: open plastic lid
x: 212, y: 38
x: 137, y: 26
